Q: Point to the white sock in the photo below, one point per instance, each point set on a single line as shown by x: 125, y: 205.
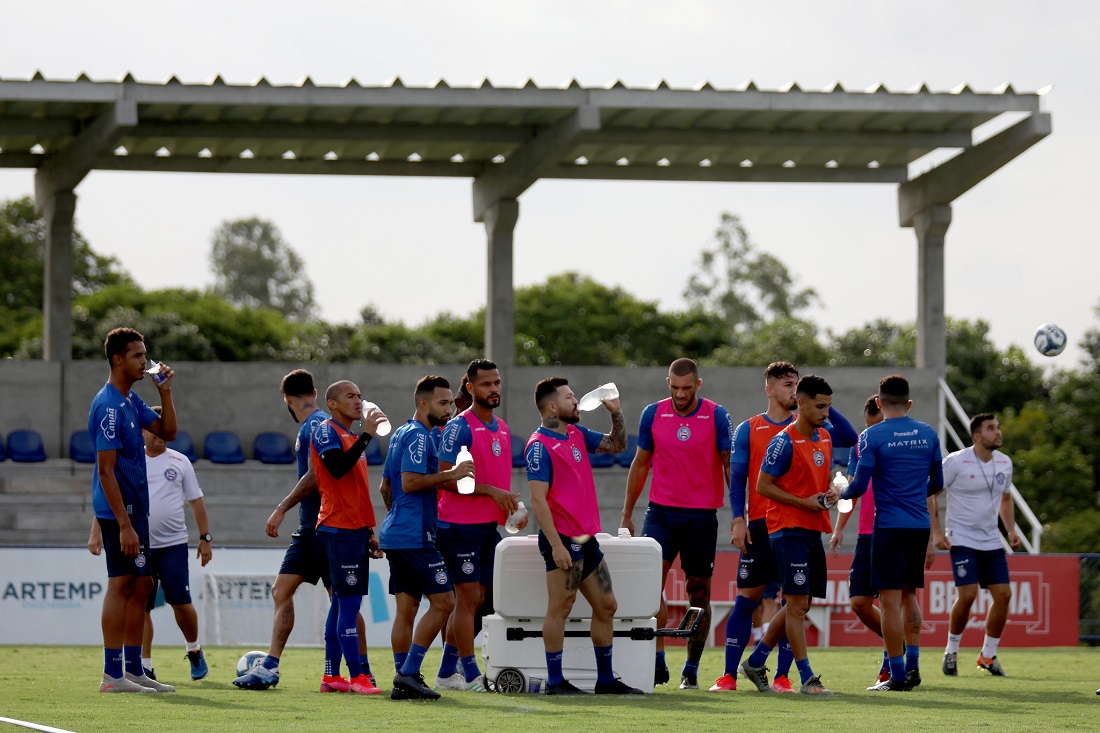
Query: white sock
x: 953, y: 643
x: 147, y: 662
x: 989, y: 646
x: 193, y: 646
x: 757, y: 634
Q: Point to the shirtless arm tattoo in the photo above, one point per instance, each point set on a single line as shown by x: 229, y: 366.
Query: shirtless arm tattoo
x: 615, y: 441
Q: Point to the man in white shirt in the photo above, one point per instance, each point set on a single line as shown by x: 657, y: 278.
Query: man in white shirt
x: 977, y: 481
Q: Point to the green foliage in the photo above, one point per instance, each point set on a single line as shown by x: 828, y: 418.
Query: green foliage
x: 1077, y: 533
x: 783, y: 339
x: 254, y: 267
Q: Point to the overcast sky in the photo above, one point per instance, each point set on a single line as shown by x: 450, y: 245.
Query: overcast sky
x: 1020, y: 250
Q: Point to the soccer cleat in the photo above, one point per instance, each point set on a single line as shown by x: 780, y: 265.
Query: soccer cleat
x: 565, y: 687
x: 660, y: 675
x: 411, y: 687
x: 618, y: 687
x: 149, y: 672
x: 725, y: 683
x: 144, y: 681
x: 951, y: 664
x: 258, y: 678
x: 121, y: 684
x: 477, y: 684
x: 456, y: 681
x: 689, y: 682
x: 813, y: 686
x: 991, y: 665
x: 782, y: 683
x: 334, y: 683
x: 364, y: 685
x: 758, y: 676
x: 883, y: 675
x: 198, y: 665
x: 913, y: 678
x: 891, y: 685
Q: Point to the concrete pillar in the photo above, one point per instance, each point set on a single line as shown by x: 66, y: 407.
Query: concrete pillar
x: 931, y: 227
x: 58, y: 209
x: 500, y: 305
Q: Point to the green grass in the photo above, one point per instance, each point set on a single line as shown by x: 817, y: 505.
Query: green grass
x: 1049, y: 690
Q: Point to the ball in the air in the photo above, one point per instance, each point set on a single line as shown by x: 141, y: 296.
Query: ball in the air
x: 1050, y: 340
x: 246, y: 662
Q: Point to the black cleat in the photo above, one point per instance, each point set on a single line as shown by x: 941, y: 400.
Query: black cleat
x: 891, y: 685
x: 618, y: 687
x: 951, y: 664
x: 412, y: 687
x: 565, y: 687
x: 689, y: 682
x: 913, y: 678
x: 660, y: 675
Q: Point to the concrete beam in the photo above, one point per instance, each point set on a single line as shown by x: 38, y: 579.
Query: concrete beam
x: 58, y: 209
x: 728, y: 173
x: 931, y: 227
x: 507, y: 180
x: 664, y: 137
x: 66, y: 168
x: 945, y: 183
x: 277, y: 166
x: 315, y: 132
x: 500, y: 304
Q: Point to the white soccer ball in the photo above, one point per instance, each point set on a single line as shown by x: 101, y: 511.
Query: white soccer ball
x: 250, y: 659
x: 1050, y: 340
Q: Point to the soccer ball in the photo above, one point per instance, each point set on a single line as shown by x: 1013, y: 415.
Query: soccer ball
x: 1050, y: 340
x: 246, y: 662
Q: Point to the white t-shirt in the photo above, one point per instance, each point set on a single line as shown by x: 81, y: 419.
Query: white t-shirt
x: 172, y: 482
x: 974, y: 491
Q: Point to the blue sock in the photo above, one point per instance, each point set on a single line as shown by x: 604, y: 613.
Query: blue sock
x: 690, y: 669
x: 784, y: 659
x: 912, y: 658
x: 270, y: 662
x: 333, y: 655
x: 449, y: 666
x: 398, y: 660
x: 131, y: 660
x: 411, y: 665
x: 661, y: 664
x: 364, y: 663
x: 604, y: 673
x: 897, y: 668
x: 885, y: 662
x: 469, y: 668
x: 112, y: 662
x: 759, y: 655
x: 738, y: 631
x: 347, y: 631
x: 553, y: 668
x: 804, y: 670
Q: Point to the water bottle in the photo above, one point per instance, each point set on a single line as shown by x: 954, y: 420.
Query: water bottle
x: 466, y: 484
x: 593, y: 399
x: 843, y: 506
x: 383, y: 428
x: 155, y: 373
x: 512, y: 525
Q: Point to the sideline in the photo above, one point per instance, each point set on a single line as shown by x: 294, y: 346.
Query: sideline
x: 34, y: 726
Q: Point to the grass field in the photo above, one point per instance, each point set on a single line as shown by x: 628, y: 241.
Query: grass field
x: 1048, y: 690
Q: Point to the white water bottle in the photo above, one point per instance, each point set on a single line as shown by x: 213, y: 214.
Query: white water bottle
x: 465, y: 484
x: 844, y: 506
x: 512, y: 525
x: 383, y: 428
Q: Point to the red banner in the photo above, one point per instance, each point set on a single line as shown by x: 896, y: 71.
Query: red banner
x: 1044, y: 609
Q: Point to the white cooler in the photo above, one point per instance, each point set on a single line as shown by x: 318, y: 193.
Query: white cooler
x: 515, y: 659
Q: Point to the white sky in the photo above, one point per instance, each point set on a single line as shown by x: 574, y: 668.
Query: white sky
x: 1020, y: 251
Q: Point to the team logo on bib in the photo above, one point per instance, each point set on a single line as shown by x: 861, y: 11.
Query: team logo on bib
x: 743, y: 573
x: 576, y: 454
x: 684, y: 433
x: 140, y: 560
x: 575, y: 546
x: 352, y: 579
x: 441, y: 577
x: 496, y: 447
x: 800, y: 578
x: 170, y: 474
x: 819, y: 458
x: 468, y: 567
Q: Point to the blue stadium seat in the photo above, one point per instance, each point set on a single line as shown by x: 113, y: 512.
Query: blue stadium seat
x: 601, y: 460
x: 518, y: 446
x: 222, y: 446
x: 375, y: 456
x: 624, y: 458
x: 81, y: 448
x: 272, y: 447
x: 184, y: 445
x: 25, y: 446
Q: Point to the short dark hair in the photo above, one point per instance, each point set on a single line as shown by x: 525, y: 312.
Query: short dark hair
x: 334, y: 389
x: 812, y: 385
x: 427, y: 386
x: 894, y: 389
x: 479, y: 365
x: 780, y: 369
x: 298, y: 383
x: 683, y: 367
x: 546, y: 389
x: 977, y: 420
x: 870, y: 407
x: 464, y: 387
x: 118, y: 342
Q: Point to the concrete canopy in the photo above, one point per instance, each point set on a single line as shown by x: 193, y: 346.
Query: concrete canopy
x: 505, y: 139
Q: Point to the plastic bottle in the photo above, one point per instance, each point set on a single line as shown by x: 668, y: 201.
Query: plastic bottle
x: 384, y: 427
x: 465, y: 485
x: 512, y: 525
x: 840, y: 483
x: 593, y: 399
x: 155, y: 373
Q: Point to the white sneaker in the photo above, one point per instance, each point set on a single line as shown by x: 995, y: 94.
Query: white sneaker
x: 146, y: 681
x: 121, y: 684
x: 477, y: 684
x: 456, y: 681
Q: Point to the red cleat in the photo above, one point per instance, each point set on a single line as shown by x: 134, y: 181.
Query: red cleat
x: 334, y: 683
x: 363, y: 685
x: 725, y: 683
x: 782, y: 683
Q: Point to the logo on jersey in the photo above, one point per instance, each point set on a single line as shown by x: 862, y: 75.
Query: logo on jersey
x: 819, y: 458
x: 109, y: 424
x: 441, y: 577
x: 1000, y: 479
x: 468, y: 568
x: 416, y: 449
x: 683, y: 433
x: 960, y: 570
x: 534, y: 456
x: 575, y: 546
x: 496, y: 447
x: 323, y: 434
x: 171, y: 474
x: 352, y: 579
x: 140, y: 560
x: 800, y: 578
x: 576, y: 454
x: 449, y: 434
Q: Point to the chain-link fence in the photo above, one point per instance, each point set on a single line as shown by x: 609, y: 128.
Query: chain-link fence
x: 1090, y: 600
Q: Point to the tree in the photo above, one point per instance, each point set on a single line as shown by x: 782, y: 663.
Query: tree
x: 253, y: 267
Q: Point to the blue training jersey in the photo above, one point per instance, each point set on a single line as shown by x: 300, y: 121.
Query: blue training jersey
x: 902, y: 456
x: 413, y: 517
x: 115, y: 422
x: 310, y: 506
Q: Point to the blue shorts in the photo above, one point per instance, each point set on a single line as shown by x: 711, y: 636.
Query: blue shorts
x: 418, y: 572
x: 306, y: 557
x: 118, y: 564
x: 589, y: 553
x: 897, y: 558
x: 170, y: 573
x: 771, y: 590
x: 348, y: 553
x: 859, y: 579
x: 690, y: 533
x: 757, y: 567
x: 800, y: 557
x: 984, y: 567
x: 470, y: 551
